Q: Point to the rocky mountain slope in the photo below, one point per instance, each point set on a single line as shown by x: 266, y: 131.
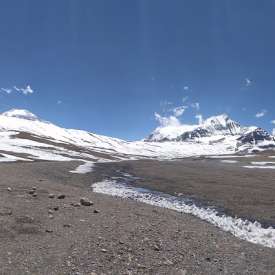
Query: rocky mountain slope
x: 214, y: 130
x: 24, y: 136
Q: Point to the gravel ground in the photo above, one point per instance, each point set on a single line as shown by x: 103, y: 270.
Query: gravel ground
x: 237, y: 191
x: 44, y: 235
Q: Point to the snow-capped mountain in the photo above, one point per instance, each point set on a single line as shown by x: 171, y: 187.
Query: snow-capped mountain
x: 26, y: 137
x: 217, y: 128
x: 213, y: 126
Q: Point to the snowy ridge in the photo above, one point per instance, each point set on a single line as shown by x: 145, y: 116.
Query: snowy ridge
x: 22, y: 132
x: 243, y: 229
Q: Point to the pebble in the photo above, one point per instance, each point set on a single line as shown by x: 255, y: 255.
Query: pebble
x: 9, y: 189
x: 51, y: 196
x: 86, y: 202
x: 96, y: 211
x: 31, y: 192
x: 49, y: 230
x: 61, y: 197
x: 75, y: 204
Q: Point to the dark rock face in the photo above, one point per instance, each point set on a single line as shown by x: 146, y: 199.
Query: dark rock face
x: 255, y: 136
x: 197, y: 133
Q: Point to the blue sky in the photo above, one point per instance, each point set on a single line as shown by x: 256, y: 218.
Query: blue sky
x: 109, y: 66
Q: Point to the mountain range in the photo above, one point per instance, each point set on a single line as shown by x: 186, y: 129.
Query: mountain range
x: 26, y: 137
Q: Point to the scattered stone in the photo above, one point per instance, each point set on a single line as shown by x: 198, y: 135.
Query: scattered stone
x: 208, y: 259
x: 49, y: 231
x: 31, y: 192
x: 156, y: 247
x: 61, y: 197
x: 51, y: 196
x: 5, y: 211
x: 9, y: 189
x: 66, y: 225
x: 168, y: 262
x: 50, y: 211
x: 96, y: 211
x: 50, y: 216
x: 34, y: 188
x: 103, y: 250
x: 75, y: 204
x: 86, y: 202
x: 34, y: 195
x: 56, y: 208
x: 121, y: 242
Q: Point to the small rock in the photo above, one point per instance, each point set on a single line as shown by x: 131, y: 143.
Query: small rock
x: 34, y: 195
x: 9, y: 189
x: 208, y: 259
x: 66, y: 225
x: 31, y: 192
x: 34, y: 188
x: 61, y: 197
x: 49, y: 230
x: 156, y: 248
x: 56, y: 208
x: 86, y: 202
x: 51, y: 196
x: 50, y: 216
x: 75, y: 204
x: 168, y: 262
x: 50, y: 211
x: 103, y: 250
x: 96, y: 211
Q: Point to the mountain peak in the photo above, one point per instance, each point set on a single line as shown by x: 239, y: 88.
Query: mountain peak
x: 20, y: 113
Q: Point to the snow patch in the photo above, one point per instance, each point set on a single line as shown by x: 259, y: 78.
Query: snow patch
x: 259, y: 167
x: 83, y: 168
x: 229, y: 161
x: 243, y: 229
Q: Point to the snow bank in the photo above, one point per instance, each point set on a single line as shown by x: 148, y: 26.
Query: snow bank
x: 259, y: 167
x: 243, y: 229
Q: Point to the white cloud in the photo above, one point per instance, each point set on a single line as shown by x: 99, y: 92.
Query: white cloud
x: 186, y: 88
x: 27, y: 90
x: 273, y: 132
x: 261, y: 114
x: 199, y: 118
x: 196, y: 106
x: 167, y: 121
x: 59, y: 102
x: 248, y: 82
x: 178, y: 111
x: 8, y: 91
x: 273, y: 121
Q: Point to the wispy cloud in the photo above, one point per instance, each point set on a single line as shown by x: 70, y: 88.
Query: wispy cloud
x: 25, y: 90
x: 178, y: 111
x: 261, y: 114
x: 8, y: 91
x: 186, y: 88
x: 196, y: 106
x: 167, y: 121
x: 199, y: 118
x: 248, y: 82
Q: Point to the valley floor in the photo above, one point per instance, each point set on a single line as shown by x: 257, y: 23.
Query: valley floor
x: 44, y: 235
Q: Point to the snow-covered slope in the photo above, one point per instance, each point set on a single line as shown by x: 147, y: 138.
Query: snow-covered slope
x: 24, y: 136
